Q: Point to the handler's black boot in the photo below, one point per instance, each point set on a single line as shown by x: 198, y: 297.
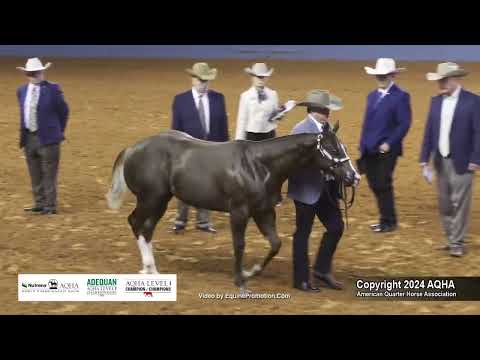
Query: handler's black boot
x: 178, y: 229
x: 328, y: 280
x: 208, y: 229
x: 35, y: 209
x: 306, y: 287
x: 384, y: 227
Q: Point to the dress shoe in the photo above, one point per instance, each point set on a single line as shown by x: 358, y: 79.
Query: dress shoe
x: 306, y: 287
x: 178, y: 229
x: 384, y: 228
x: 208, y: 229
x: 456, y: 251
x: 328, y: 280
x: 35, y: 209
x: 48, y: 212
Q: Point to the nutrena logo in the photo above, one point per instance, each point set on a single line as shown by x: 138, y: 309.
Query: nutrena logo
x: 100, y: 282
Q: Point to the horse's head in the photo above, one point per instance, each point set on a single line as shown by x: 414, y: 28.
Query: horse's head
x: 332, y: 156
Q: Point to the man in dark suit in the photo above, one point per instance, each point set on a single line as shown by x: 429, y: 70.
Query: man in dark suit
x: 387, y: 120
x: 43, y: 119
x: 452, y: 139
x: 201, y: 113
x: 314, y: 196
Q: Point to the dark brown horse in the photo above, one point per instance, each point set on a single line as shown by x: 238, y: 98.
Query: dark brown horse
x: 242, y: 178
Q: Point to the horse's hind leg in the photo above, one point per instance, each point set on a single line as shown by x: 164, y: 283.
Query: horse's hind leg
x: 143, y: 221
x: 267, y: 225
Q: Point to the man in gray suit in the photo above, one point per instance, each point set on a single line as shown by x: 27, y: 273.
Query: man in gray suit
x: 314, y: 195
x: 452, y: 142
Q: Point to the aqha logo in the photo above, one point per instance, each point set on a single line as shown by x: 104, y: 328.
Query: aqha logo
x: 69, y: 286
x: 53, y: 284
x: 148, y: 294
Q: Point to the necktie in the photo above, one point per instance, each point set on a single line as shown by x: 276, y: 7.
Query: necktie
x: 380, y: 96
x: 261, y: 95
x: 201, y: 113
x: 32, y: 119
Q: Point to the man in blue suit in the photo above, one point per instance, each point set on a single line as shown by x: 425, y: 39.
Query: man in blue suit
x: 452, y: 139
x: 310, y: 194
x: 387, y: 120
x: 201, y: 113
x: 43, y: 119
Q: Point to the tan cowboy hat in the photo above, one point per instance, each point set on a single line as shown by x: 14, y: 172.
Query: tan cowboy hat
x: 323, y: 99
x: 384, y: 66
x: 202, y: 71
x: 259, y: 69
x: 447, y: 69
x: 34, y: 64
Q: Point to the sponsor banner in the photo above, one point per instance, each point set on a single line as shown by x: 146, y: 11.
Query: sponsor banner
x: 97, y: 287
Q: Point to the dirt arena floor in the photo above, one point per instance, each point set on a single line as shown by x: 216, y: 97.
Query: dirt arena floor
x: 115, y: 103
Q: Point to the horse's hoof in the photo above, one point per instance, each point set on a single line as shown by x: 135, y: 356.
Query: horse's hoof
x: 256, y: 269
x: 244, y: 290
x: 148, y: 271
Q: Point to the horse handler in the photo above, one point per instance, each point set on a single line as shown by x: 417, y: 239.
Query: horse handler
x: 43, y: 119
x: 314, y: 196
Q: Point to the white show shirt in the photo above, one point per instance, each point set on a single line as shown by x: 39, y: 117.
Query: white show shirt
x: 26, y: 105
x: 384, y: 92
x: 319, y: 125
x: 252, y: 115
x: 449, y: 103
x: 206, y: 106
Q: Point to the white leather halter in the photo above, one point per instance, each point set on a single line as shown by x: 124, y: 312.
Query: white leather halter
x: 325, y: 153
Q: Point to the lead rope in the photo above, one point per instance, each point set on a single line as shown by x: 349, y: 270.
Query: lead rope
x: 343, y: 192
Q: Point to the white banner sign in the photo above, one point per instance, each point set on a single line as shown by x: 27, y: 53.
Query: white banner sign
x: 97, y: 287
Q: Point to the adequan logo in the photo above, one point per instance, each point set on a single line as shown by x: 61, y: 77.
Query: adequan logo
x: 102, y: 286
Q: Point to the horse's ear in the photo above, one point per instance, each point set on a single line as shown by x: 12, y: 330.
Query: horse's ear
x: 336, y: 127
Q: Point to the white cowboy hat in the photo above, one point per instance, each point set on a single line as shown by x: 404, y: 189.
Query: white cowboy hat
x: 202, y: 71
x: 323, y: 99
x: 259, y: 69
x: 384, y: 66
x: 445, y: 70
x: 34, y: 64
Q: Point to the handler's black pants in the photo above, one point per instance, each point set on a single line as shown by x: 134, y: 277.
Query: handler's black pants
x: 380, y: 168
x: 330, y: 215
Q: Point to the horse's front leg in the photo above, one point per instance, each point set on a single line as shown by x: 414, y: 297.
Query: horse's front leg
x: 238, y: 222
x: 266, y: 222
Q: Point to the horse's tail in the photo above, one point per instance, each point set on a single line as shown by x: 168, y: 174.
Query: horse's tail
x: 118, y: 187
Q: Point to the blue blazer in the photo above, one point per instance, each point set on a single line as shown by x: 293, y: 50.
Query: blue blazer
x: 306, y: 185
x: 52, y: 113
x: 386, y: 121
x: 187, y: 119
x: 464, y: 134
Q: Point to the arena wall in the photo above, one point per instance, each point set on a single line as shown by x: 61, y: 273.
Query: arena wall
x: 288, y: 52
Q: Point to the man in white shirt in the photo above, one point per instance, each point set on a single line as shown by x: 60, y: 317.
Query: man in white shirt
x: 43, y: 120
x: 452, y: 139
x: 386, y: 122
x: 201, y: 113
x: 256, y: 107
